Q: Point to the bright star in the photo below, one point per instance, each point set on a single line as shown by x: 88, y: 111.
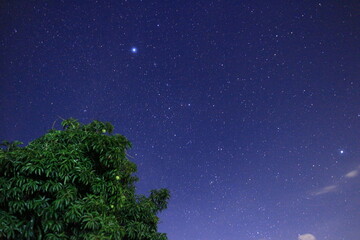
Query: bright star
x: 341, y: 151
x: 134, y: 50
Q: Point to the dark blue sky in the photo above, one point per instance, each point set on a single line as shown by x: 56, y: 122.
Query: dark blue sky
x: 248, y: 111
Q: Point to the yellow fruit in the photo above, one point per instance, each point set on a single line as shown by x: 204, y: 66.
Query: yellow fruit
x: 104, y: 131
x: 112, y: 206
x: 117, y: 178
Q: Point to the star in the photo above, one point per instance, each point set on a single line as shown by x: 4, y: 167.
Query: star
x: 341, y: 151
x: 134, y: 50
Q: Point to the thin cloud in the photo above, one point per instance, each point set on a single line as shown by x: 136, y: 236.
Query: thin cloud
x: 332, y: 188
x: 352, y: 173
x: 306, y: 236
x: 327, y: 189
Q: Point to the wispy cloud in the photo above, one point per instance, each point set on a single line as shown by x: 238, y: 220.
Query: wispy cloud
x: 306, y: 236
x: 352, y: 173
x: 332, y: 188
x: 324, y: 190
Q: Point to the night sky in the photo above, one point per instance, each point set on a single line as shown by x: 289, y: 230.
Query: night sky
x: 247, y: 111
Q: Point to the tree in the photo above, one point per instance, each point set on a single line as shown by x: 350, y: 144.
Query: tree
x: 75, y: 183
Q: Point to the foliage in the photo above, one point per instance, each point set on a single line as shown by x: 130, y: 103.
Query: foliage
x: 75, y: 184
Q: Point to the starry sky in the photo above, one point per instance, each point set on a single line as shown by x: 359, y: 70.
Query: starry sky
x: 248, y: 111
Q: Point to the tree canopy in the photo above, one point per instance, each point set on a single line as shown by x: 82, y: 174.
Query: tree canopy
x: 75, y: 183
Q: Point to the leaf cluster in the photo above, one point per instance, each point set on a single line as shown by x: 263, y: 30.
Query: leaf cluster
x: 75, y: 183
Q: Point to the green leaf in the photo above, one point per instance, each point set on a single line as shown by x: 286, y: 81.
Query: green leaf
x: 63, y: 186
